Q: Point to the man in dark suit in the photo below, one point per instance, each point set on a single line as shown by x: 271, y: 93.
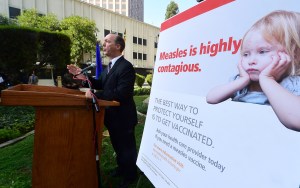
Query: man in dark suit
x: 117, y: 83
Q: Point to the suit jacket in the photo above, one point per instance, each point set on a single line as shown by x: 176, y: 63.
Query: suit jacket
x: 118, y: 85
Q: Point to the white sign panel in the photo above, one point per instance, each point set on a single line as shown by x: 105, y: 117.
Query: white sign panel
x: 190, y: 143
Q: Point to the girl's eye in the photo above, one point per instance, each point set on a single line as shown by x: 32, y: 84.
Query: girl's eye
x: 245, y: 54
x: 263, y: 51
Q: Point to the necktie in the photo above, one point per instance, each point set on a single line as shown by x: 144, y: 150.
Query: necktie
x: 109, y: 67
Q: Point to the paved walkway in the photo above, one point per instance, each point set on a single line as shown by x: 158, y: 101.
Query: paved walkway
x: 46, y: 82
x: 16, y: 139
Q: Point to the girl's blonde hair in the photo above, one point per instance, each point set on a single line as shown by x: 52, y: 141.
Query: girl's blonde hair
x: 284, y: 27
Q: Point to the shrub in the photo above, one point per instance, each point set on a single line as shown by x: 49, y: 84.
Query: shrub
x: 141, y: 105
x: 15, y: 121
x: 7, y: 134
x: 139, y: 80
x: 21, y: 48
x: 149, y: 78
x: 142, y: 91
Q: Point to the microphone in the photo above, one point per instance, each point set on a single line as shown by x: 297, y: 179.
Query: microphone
x: 93, y: 65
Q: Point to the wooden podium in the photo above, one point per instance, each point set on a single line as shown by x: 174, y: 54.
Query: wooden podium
x: 64, y: 141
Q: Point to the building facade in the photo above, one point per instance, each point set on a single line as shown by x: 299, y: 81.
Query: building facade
x: 141, y: 38
x: 131, y: 8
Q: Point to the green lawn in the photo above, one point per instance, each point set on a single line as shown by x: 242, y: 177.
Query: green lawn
x: 16, y: 160
x: 15, y: 164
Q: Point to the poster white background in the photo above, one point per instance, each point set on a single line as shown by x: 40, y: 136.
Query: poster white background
x: 245, y: 153
x: 230, y: 144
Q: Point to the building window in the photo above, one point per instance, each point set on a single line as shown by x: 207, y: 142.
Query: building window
x: 140, y: 56
x: 145, y: 42
x: 144, y: 56
x: 106, y: 32
x: 134, y: 55
x: 155, y: 44
x: 140, y: 41
x: 134, y: 40
x: 14, y: 12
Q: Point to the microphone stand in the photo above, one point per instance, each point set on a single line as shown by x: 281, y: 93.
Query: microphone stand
x: 96, y: 108
x: 93, y: 97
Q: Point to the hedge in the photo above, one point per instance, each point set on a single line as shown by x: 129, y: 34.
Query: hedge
x: 142, y: 91
x: 139, y: 80
x: 149, y: 78
x: 21, y: 48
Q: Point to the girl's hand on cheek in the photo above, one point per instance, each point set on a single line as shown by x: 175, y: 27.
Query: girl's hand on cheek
x: 243, y: 74
x: 277, y: 68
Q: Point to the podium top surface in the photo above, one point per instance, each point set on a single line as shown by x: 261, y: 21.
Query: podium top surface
x: 34, y: 95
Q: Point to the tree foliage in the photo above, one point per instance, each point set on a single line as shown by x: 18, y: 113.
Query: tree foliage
x: 6, y: 21
x: 80, y: 30
x: 82, y: 34
x: 32, y: 19
x: 172, y: 10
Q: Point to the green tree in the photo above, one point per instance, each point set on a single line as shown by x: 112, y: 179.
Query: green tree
x: 50, y: 22
x: 80, y: 30
x: 47, y: 52
x: 6, y: 21
x: 172, y: 10
x: 82, y: 34
x: 32, y: 19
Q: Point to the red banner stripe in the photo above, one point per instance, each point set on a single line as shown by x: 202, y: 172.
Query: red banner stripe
x: 193, y: 12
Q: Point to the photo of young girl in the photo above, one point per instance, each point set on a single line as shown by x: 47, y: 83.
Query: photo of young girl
x: 269, y: 68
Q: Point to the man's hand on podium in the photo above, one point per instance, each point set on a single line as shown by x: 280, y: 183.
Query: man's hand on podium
x: 88, y: 94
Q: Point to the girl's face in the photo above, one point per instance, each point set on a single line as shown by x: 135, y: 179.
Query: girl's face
x: 257, y: 53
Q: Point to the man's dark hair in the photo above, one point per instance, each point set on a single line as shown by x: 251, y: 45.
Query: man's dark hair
x: 120, y: 40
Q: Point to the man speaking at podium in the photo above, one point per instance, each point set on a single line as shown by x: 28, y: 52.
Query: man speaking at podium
x: 117, y: 83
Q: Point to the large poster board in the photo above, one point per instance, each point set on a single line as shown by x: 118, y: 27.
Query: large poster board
x: 190, y: 143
